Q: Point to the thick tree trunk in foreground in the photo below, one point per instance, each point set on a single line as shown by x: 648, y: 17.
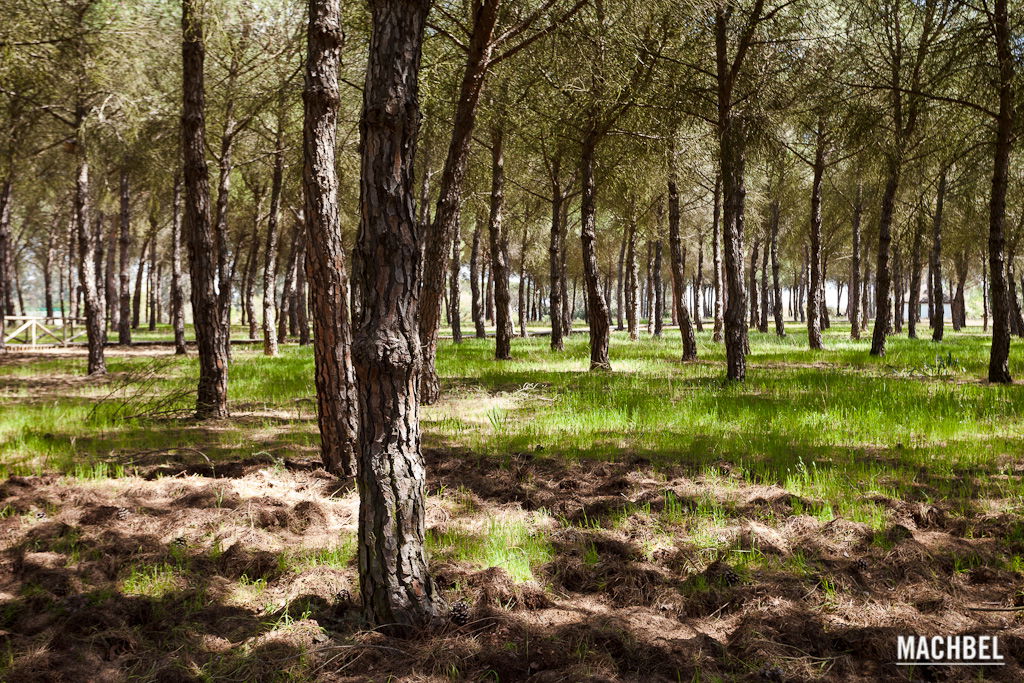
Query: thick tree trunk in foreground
x: 597, y: 308
x: 397, y: 591
x: 938, y: 321
x: 337, y: 398
x: 499, y: 250
x: 733, y: 195
x: 94, y: 323
x: 446, y: 216
x: 999, y: 356
x: 212, y: 395
x: 177, y: 295
x: 883, y: 311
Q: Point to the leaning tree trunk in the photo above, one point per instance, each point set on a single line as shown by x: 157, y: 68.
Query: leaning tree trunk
x: 211, y: 338
x: 177, y: 296
x: 124, y: 327
x: 337, y: 398
x: 397, y: 591
x: 780, y: 323
x: 914, y: 305
x: 676, y: 265
x: 597, y: 308
x: 499, y: 250
x: 87, y: 264
x: 999, y: 356
x: 814, y: 302
x: 883, y: 311
x: 446, y: 215
x: 938, y: 319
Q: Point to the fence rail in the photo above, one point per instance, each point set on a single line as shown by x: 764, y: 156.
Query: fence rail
x: 41, y: 331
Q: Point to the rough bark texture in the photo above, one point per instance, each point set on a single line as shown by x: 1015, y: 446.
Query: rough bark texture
x: 177, y: 296
x: 780, y: 323
x: 659, y: 291
x: 999, y: 356
x: 914, y: 293
x: 597, y: 308
x: 337, y: 399
x: 499, y: 250
x: 855, y: 279
x: 454, y: 289
x: 883, y: 311
x: 5, y: 246
x: 938, y: 321
x: 632, y: 277
x: 94, y: 322
x: 556, y: 247
x: 675, y: 245
x: 397, y: 591
x: 212, y: 394
x: 124, y: 328
x: 476, y: 305
x: 446, y: 215
x: 814, y: 300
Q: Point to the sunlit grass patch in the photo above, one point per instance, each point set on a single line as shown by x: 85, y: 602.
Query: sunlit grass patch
x: 510, y: 544
x: 152, y: 580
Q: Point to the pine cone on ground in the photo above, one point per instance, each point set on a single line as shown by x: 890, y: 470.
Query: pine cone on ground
x: 460, y: 613
x: 122, y: 514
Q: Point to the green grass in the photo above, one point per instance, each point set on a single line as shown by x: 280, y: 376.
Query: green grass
x: 835, y: 428
x: 510, y: 544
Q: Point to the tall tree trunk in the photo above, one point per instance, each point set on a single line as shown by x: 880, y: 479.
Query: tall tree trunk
x: 270, y: 257
x: 716, y: 260
x: 177, y: 296
x: 300, y: 303
x: 521, y: 309
x: 659, y: 292
x: 556, y: 247
x: 489, y: 290
x: 212, y: 395
x: 698, y: 285
x: 814, y: 300
x: 753, y: 282
x: 499, y: 249
x: 762, y: 324
x: 773, y: 227
x: 984, y: 294
x: 959, y: 304
x: 124, y: 328
x: 152, y: 285
x: 632, y: 277
x: 597, y: 309
x: 87, y: 259
x: 249, y: 287
x: 620, y: 303
x: 855, y: 279
x: 649, y: 287
x: 5, y: 246
x: 999, y: 356
x: 897, y: 290
x: 338, y: 400
x: 446, y: 216
x: 675, y: 245
x: 397, y: 591
x: 453, y: 287
x: 284, y: 311
x: 111, y: 295
x: 938, y: 321
x: 50, y: 256
x: 475, y: 257
x: 883, y: 312
x: 914, y: 306
x: 140, y: 271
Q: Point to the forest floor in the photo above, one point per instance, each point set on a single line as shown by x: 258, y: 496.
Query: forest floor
x: 652, y: 523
